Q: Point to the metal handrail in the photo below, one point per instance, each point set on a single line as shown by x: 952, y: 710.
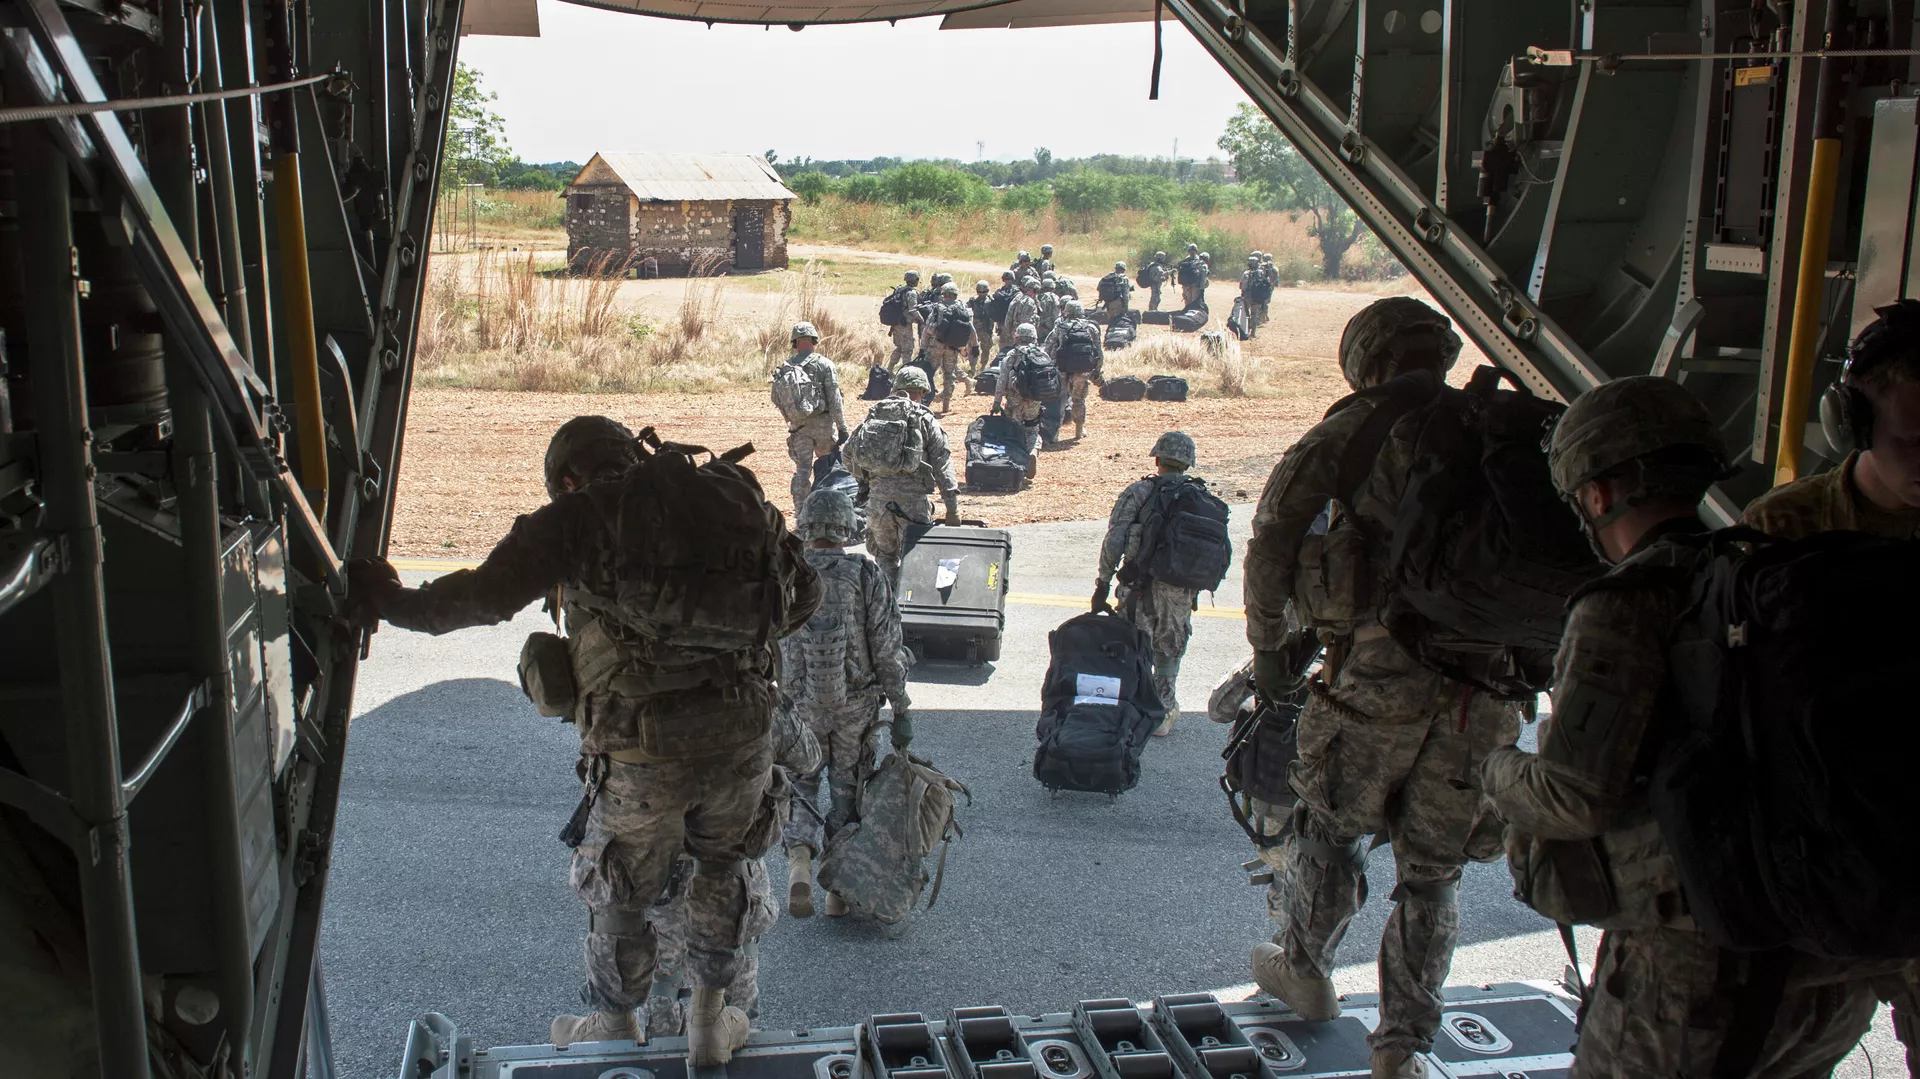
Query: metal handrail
x: 33, y: 568
x: 196, y: 700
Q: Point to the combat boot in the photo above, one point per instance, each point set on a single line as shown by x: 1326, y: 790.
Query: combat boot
x: 836, y: 906
x: 1311, y: 998
x: 1079, y: 428
x: 800, y: 882
x: 597, y: 1027
x: 1397, y: 1064
x: 714, y: 1030
x: 1166, y: 725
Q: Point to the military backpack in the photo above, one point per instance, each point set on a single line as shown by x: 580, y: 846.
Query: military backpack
x: 1079, y: 350
x: 877, y: 863
x: 1034, y: 374
x: 1002, y: 299
x: 1183, y: 539
x: 954, y: 327
x: 893, y: 309
x: 795, y: 392
x: 889, y: 442
x: 1113, y: 287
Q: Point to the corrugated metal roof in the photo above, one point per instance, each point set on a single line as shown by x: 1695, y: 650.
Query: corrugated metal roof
x: 674, y: 177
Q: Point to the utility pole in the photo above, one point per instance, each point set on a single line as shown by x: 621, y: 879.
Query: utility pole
x: 980, y: 150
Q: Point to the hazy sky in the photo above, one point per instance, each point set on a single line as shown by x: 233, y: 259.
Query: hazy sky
x: 598, y: 80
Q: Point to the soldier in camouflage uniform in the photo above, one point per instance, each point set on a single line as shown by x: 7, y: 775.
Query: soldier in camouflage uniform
x: 1250, y: 281
x: 945, y: 359
x: 895, y: 501
x: 1006, y: 392
x: 1076, y: 383
x: 1046, y: 253
x: 814, y: 436
x: 797, y: 751
x: 981, y: 355
x: 1267, y: 267
x: 904, y: 334
x: 1024, y: 268
x: 1155, y: 274
x: 1117, y: 281
x: 1195, y: 294
x: 1025, y: 309
x: 724, y: 809
x: 1165, y: 611
x: 1046, y: 307
x: 839, y: 669
x: 1875, y: 415
x: 1387, y: 746
x: 1634, y: 456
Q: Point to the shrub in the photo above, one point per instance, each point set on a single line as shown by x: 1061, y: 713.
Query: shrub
x: 1143, y: 192
x: 1203, y: 196
x: 1027, y: 198
x: 925, y: 184
x: 810, y: 185
x: 863, y: 189
x: 1086, y: 195
x: 1228, y: 249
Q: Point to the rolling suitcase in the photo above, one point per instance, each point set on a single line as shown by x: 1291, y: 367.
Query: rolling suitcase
x: 1156, y: 318
x: 1098, y: 705
x: 953, y: 591
x: 997, y: 455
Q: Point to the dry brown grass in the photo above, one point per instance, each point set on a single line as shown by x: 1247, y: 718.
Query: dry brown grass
x: 1212, y: 370
x: 503, y: 321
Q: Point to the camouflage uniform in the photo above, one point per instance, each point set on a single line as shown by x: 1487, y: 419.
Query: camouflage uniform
x: 1075, y: 386
x: 1830, y: 502
x: 724, y: 809
x: 1155, y: 274
x: 945, y: 360
x: 1256, y: 312
x: 1193, y: 295
x: 905, y: 334
x: 1006, y: 398
x: 1023, y: 269
x: 796, y: 750
x: 1046, y: 312
x: 1387, y: 747
x: 981, y: 354
x: 1662, y: 998
x: 1023, y: 308
x: 1116, y: 308
x: 886, y: 532
x: 1165, y: 611
x: 816, y: 435
x: 858, y: 598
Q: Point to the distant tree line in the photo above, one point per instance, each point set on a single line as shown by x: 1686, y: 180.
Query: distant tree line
x: 1041, y: 168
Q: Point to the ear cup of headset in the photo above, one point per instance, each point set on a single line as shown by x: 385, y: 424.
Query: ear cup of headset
x: 1846, y: 418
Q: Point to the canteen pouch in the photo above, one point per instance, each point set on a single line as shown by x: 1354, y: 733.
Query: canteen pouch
x: 1334, y: 584
x: 1564, y: 879
x: 546, y: 675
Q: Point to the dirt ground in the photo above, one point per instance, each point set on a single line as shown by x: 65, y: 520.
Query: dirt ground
x: 473, y: 457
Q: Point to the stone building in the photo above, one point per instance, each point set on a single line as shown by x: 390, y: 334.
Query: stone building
x: 712, y: 212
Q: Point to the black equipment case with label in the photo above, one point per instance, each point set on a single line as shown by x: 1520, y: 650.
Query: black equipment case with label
x: 953, y: 591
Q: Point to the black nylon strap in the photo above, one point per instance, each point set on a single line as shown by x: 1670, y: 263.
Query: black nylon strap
x: 617, y: 923
x: 1356, y: 461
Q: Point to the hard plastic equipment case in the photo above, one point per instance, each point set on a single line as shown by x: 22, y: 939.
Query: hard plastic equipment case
x: 953, y: 591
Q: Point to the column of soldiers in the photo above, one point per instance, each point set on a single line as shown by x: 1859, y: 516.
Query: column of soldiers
x: 1391, y: 749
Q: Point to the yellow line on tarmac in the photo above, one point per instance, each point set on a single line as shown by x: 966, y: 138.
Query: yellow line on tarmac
x: 1024, y: 599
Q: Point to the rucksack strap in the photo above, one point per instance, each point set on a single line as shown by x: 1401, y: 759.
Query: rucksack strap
x: 1356, y: 461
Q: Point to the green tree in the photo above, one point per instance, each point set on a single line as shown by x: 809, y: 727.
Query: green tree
x: 1263, y: 157
x: 476, y: 151
x: 1087, y: 195
x: 810, y: 185
x: 863, y: 189
x: 930, y: 184
x: 1027, y: 198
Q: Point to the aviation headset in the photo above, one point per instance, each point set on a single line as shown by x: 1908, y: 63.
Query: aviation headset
x: 1846, y: 414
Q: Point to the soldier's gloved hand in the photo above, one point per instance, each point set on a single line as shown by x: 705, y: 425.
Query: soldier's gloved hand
x: 902, y: 729
x: 1101, y: 588
x: 369, y: 582
x: 840, y: 435
x: 1272, y: 674
x: 953, y: 510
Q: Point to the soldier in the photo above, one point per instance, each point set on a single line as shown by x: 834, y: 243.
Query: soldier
x: 896, y: 499
x: 1163, y: 610
x: 1024, y: 308
x: 1075, y: 346
x: 796, y: 750
x: 1024, y: 268
x: 1065, y: 287
x: 1873, y: 413
x: 982, y: 352
x: 1007, y: 390
x: 807, y: 393
x: 1634, y: 457
x: 1116, y: 291
x: 931, y: 294
x: 903, y: 334
x: 1267, y: 267
x: 945, y: 357
x: 642, y: 808
x: 839, y: 669
x: 1192, y: 275
x: 1384, y: 740
x: 1046, y: 252
x: 1253, y: 287
x: 1153, y: 276
x: 1046, y: 307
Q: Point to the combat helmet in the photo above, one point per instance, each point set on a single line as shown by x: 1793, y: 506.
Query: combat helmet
x: 803, y: 329
x: 949, y: 289
x: 1624, y: 420
x: 827, y: 515
x: 588, y: 448
x: 1253, y: 261
x: 1024, y: 257
x: 940, y: 279
x: 1176, y: 446
x: 912, y: 378
x: 1046, y: 251
x: 1193, y: 249
x: 1119, y: 267
x: 1387, y: 331
x: 1071, y: 308
x: 981, y: 286
x: 1006, y: 275
x: 1159, y: 256
x: 1048, y: 284
x: 913, y: 277
x: 1029, y: 282
x: 1025, y: 333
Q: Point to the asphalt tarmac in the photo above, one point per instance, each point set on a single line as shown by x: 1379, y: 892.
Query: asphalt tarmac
x: 449, y: 886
